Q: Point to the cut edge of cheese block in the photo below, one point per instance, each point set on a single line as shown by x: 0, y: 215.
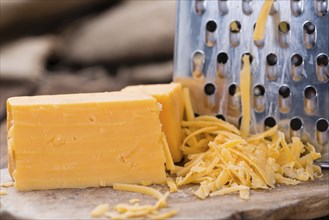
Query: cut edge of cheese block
x: 146, y: 106
x: 170, y: 96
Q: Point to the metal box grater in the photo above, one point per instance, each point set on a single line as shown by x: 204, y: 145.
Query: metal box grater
x: 289, y: 67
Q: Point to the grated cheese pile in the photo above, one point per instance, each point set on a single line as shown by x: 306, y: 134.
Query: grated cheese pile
x: 222, y: 162
x: 134, y: 209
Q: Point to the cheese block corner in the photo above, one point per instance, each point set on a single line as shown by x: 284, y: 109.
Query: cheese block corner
x: 170, y: 96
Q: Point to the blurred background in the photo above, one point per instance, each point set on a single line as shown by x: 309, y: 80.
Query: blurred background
x: 72, y: 46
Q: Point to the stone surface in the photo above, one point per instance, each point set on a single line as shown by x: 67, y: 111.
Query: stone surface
x: 130, y: 32
x: 304, y: 201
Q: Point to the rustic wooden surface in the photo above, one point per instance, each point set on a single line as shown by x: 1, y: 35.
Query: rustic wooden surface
x: 304, y: 201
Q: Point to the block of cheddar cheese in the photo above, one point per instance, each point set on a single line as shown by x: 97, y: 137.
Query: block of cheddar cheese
x: 84, y: 140
x: 170, y: 96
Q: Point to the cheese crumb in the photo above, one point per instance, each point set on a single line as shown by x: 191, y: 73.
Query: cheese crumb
x: 134, y: 201
x: 3, y: 192
x: 100, y: 210
x: 134, y: 209
x: 7, y: 184
x: 172, y: 185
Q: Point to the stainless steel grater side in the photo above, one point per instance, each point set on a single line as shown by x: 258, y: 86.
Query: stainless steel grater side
x: 289, y: 67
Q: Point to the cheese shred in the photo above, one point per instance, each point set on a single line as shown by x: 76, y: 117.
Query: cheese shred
x: 99, y: 210
x: 7, y: 184
x: 172, y: 185
x: 138, y: 189
x: 245, y: 84
x: 134, y: 209
x: 259, y: 31
x: 169, y: 160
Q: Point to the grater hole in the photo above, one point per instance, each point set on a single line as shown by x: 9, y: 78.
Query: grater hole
x: 321, y: 7
x: 211, y: 26
x: 322, y: 60
x: 198, y: 62
x: 200, y: 6
x: 235, y: 27
x: 250, y: 57
x: 309, y: 27
x: 258, y: 101
x: 259, y: 90
x: 271, y: 69
x: 284, y: 27
x: 222, y: 58
x: 296, y: 124
x: 239, y: 122
x: 296, y: 60
x: 296, y: 68
x: 309, y: 35
x: 310, y: 92
x: 209, y: 89
x: 274, y: 8
x: 222, y: 5
x: 220, y: 116
x: 232, y: 89
x: 246, y: 7
x: 269, y: 122
x: 310, y: 100
x: 322, y: 125
x: 296, y: 7
x: 284, y: 91
x: 271, y: 59
x: 322, y: 69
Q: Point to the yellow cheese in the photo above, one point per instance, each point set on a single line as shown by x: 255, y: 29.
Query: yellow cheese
x: 170, y: 96
x: 3, y: 192
x: 172, y: 185
x: 259, y: 31
x: 135, y: 210
x: 140, y: 189
x: 7, y: 184
x: 84, y: 140
x: 245, y: 84
x: 99, y: 210
x: 231, y: 163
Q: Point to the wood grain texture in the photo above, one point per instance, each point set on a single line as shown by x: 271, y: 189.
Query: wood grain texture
x: 304, y: 201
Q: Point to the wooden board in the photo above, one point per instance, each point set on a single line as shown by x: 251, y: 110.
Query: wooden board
x: 304, y: 201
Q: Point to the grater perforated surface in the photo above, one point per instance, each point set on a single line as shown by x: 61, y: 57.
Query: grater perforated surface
x: 289, y: 68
